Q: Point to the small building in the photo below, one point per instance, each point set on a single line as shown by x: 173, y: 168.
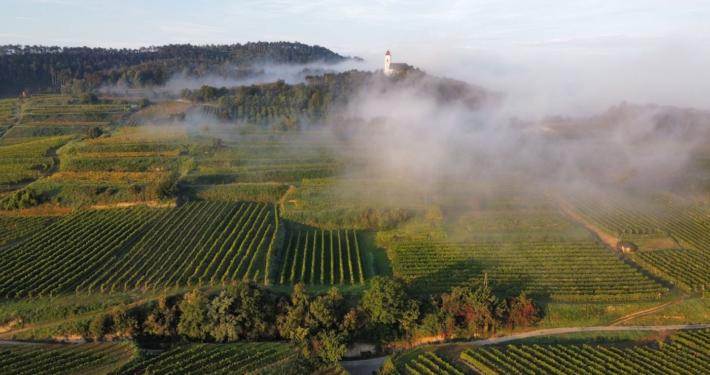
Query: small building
x: 626, y: 247
x: 394, y: 69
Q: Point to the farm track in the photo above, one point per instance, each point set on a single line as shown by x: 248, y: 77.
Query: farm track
x: 637, y: 314
x: 567, y: 330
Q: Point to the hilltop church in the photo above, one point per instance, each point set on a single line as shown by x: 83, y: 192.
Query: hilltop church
x: 394, y: 69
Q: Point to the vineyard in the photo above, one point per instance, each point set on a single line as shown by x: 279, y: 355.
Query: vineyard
x: 687, y: 353
x: 266, y: 192
x: 251, y: 358
x: 125, y: 249
x: 24, y: 162
x: 15, y: 227
x: 685, y: 223
x: 68, y: 252
x: 324, y: 257
x: 564, y: 270
x: 8, y: 111
x: 127, y: 166
x: 195, y: 244
x: 53, y: 115
x: 426, y: 363
x: 65, y: 359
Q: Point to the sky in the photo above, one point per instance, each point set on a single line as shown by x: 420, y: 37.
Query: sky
x: 490, y: 42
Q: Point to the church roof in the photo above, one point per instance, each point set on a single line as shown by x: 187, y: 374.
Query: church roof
x: 399, y: 66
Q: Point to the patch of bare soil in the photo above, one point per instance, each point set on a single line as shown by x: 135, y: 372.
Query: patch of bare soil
x: 152, y: 204
x: 70, y: 339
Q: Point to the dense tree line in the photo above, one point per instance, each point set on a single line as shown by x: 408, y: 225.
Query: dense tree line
x: 39, y: 68
x: 320, y: 326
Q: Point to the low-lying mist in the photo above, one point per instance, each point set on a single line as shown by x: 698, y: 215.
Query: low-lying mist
x: 231, y: 76
x: 433, y: 148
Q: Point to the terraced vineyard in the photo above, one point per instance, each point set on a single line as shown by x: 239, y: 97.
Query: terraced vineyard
x: 24, y: 162
x: 687, y: 353
x: 124, y: 249
x: 325, y: 257
x: 8, y: 111
x: 14, y: 227
x: 52, y: 115
x: 65, y: 359
x: 127, y: 166
x: 687, y: 224
x: 242, y: 358
x: 565, y: 270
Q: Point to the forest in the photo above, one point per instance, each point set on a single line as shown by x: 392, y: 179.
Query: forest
x: 40, y: 69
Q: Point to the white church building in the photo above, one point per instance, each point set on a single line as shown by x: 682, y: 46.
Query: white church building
x: 393, y: 69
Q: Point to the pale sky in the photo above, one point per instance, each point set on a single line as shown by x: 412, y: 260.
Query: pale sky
x: 352, y: 27
x: 555, y: 56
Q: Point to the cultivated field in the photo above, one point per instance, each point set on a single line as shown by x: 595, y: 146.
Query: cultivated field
x: 683, y: 255
x: 686, y: 353
x: 250, y: 358
x: 146, y: 248
x: 324, y: 257
x: 65, y: 359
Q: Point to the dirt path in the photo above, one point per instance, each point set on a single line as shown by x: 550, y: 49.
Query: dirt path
x: 562, y: 331
x: 282, y: 200
x: 605, y: 237
x: 637, y: 314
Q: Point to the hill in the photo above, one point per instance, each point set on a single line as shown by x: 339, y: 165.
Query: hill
x: 40, y: 68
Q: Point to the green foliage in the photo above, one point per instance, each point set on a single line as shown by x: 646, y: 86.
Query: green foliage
x: 162, y: 319
x: 241, y: 312
x: 194, y: 321
x: 100, y: 326
x: 388, y: 306
x: 313, y: 325
x: 24, y: 198
x: 82, y: 69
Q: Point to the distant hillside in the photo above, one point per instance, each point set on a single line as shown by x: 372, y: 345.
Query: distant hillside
x: 40, y: 69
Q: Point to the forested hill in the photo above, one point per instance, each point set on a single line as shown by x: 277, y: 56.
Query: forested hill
x: 40, y: 69
x: 320, y: 96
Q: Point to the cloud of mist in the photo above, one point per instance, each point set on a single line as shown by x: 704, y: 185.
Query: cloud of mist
x: 576, y: 76
x: 232, y: 76
x: 446, y: 148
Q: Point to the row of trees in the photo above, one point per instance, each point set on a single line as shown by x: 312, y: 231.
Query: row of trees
x: 320, y: 326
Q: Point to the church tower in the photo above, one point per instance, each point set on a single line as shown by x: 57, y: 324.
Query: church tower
x: 388, y: 60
